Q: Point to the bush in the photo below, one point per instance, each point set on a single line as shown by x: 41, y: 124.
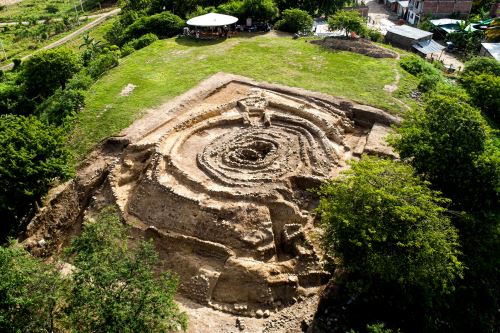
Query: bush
x: 348, y: 20
x: 428, y: 82
x: 385, y: 224
x: 115, y: 288
x: 443, y: 143
x: 417, y: 66
x: 260, y: 10
x: 28, y: 292
x: 484, y: 89
x: 62, y: 105
x: 295, y: 20
x: 163, y: 25
x: 102, y: 64
x: 46, y: 71
x: 32, y: 156
x: 233, y: 8
x: 481, y: 80
x: 374, y: 35
x: 52, y: 9
x: 142, y: 42
x: 127, y: 49
x: 480, y: 65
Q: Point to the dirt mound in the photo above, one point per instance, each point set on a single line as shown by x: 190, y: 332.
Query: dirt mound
x: 360, y: 45
x: 218, y: 180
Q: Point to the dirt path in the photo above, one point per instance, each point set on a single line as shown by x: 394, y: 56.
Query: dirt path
x: 101, y: 18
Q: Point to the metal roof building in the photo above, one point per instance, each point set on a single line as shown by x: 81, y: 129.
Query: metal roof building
x: 490, y: 50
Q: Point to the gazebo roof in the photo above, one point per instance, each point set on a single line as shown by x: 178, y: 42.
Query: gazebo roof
x: 212, y: 20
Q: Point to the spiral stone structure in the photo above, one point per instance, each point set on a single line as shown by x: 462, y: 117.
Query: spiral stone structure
x: 219, y: 179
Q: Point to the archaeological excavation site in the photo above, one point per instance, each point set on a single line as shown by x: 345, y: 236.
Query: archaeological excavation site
x: 220, y: 179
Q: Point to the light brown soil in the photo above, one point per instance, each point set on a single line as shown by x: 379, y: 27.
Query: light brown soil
x: 218, y: 179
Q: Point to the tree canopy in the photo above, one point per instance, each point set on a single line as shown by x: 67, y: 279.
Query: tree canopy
x: 32, y: 156
x: 110, y: 287
x: 48, y: 70
x: 347, y: 20
x: 295, y: 20
x: 385, y: 224
x: 446, y: 142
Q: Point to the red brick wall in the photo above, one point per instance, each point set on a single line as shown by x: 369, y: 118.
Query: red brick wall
x: 447, y: 7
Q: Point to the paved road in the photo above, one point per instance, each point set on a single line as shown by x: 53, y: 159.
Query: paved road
x: 100, y: 18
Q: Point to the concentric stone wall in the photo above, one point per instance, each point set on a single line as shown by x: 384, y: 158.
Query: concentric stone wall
x: 219, y: 180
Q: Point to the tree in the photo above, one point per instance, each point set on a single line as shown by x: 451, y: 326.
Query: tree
x: 260, y: 10
x: 385, y: 224
x: 443, y: 142
x: 481, y: 80
x: 29, y: 290
x: 32, y: 156
x: 114, y: 288
x: 164, y: 24
x: 48, y: 70
x: 347, y: 20
x: 295, y: 20
x: 135, y: 5
x: 234, y: 8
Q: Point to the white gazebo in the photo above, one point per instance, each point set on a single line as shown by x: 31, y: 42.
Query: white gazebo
x: 212, y: 20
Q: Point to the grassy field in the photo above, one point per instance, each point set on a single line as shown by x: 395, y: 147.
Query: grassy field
x: 39, y: 10
x: 18, y: 45
x: 170, y: 67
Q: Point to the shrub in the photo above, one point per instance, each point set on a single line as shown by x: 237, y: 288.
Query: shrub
x: 260, y: 10
x: 46, y: 71
x: 295, y: 20
x: 59, y: 107
x: 52, y: 9
x: 481, y: 80
x: 233, y: 8
x: 417, y: 66
x: 32, y: 156
x: 143, y: 41
x: 443, y: 143
x: 115, y: 288
x: 102, y: 64
x: 347, y: 20
x: 385, y: 224
x: 374, y: 35
x: 428, y: 82
x: 163, y: 25
x: 480, y: 65
x: 127, y: 49
x: 484, y: 89
x: 28, y: 292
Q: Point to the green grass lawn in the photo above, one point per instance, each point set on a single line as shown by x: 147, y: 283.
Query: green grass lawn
x: 170, y: 67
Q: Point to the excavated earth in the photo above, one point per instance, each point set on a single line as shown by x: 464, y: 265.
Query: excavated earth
x: 219, y: 179
x: 360, y: 45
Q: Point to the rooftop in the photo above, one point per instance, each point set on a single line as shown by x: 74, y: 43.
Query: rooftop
x: 493, y: 49
x: 409, y: 32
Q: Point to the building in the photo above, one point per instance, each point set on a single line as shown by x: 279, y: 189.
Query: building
x: 418, y: 9
x: 490, y: 50
x: 412, y: 39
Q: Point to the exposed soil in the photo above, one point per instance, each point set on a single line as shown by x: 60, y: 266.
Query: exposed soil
x: 359, y: 45
x: 218, y: 179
